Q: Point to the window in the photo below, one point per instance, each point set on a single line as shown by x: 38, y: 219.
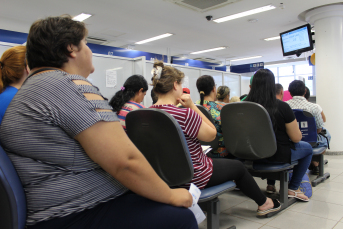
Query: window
x: 286, y: 71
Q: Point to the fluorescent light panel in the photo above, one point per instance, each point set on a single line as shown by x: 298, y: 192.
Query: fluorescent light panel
x: 81, y: 17
x: 209, y: 50
x: 245, y: 13
x: 272, y: 38
x: 247, y: 58
x: 154, y: 38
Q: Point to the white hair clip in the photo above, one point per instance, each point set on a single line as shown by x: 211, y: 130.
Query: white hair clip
x: 157, y: 71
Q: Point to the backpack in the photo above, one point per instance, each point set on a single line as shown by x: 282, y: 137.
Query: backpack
x: 305, y: 185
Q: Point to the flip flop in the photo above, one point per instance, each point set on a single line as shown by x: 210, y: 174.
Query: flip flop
x: 277, y: 207
x: 296, y: 195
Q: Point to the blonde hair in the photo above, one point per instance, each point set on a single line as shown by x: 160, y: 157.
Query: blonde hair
x: 222, y: 92
x: 12, y: 66
x: 165, y: 82
x: 234, y: 99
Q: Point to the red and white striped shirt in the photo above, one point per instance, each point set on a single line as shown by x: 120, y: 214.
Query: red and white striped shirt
x: 190, y: 123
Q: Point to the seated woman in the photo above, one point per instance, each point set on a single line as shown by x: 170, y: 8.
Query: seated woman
x: 208, y: 94
x: 223, y: 94
x: 13, y: 73
x: 167, y: 82
x: 73, y: 157
x: 129, y: 97
x: 288, y: 135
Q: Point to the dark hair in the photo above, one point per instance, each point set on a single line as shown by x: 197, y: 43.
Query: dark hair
x: 243, y: 96
x: 131, y: 86
x: 308, y: 93
x: 263, y: 92
x: 12, y: 65
x: 297, y: 88
x: 205, y: 85
x: 153, y: 97
x: 222, y: 92
x: 278, y: 88
x: 49, y: 38
x: 168, y: 76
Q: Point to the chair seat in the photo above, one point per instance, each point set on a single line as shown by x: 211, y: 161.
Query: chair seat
x: 272, y: 167
x: 318, y: 150
x: 214, y: 191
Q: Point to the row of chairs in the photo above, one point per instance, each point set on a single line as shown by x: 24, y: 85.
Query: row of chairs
x: 248, y: 135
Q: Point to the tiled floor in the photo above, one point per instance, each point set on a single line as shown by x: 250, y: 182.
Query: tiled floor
x: 325, y: 209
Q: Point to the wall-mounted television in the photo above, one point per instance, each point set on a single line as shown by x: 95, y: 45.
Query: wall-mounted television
x: 296, y: 41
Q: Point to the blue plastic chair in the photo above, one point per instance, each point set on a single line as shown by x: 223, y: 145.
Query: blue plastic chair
x: 308, y: 128
x: 160, y: 139
x: 249, y: 136
x: 12, y: 196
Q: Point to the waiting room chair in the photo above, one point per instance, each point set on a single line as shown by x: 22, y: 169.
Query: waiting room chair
x: 12, y: 196
x: 160, y: 139
x: 249, y: 135
x: 308, y: 128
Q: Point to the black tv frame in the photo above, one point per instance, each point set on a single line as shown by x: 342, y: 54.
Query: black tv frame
x: 298, y: 52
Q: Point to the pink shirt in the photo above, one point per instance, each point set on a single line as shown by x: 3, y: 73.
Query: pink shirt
x: 190, y: 123
x: 129, y: 106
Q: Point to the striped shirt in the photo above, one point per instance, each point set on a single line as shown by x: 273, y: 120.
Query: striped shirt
x: 129, y: 106
x: 299, y: 102
x: 190, y: 123
x: 38, y: 133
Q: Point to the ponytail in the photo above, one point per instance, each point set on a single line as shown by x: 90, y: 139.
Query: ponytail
x: 131, y: 86
x: 202, y: 96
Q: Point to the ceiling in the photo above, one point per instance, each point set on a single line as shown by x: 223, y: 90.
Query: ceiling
x: 124, y: 22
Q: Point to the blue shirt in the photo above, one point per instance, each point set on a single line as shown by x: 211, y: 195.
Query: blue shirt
x: 5, y: 98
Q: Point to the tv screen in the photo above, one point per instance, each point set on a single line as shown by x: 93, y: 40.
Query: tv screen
x: 296, y: 41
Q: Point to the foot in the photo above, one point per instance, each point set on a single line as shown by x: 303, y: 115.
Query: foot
x: 315, y: 170
x: 271, y: 189
x: 315, y: 163
x: 297, y: 194
x: 271, y: 205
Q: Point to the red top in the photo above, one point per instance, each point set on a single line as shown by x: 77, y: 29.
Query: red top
x: 190, y: 123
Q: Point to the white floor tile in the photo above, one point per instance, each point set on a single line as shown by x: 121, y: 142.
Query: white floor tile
x: 328, y: 196
x: 290, y: 219
x: 319, y: 209
x: 228, y: 200
x: 333, y: 186
x: 267, y: 227
x: 339, y: 226
x: 227, y: 221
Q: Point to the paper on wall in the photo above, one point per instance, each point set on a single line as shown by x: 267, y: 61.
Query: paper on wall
x: 111, y: 78
x: 198, y: 213
x: 185, y: 82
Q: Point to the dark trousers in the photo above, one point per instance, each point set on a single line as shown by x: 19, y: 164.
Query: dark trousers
x: 228, y: 169
x: 129, y: 211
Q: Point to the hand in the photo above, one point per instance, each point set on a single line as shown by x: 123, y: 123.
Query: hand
x: 186, y: 100
x: 181, y: 198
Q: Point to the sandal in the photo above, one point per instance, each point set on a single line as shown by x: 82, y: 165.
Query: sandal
x: 277, y: 207
x: 296, y: 195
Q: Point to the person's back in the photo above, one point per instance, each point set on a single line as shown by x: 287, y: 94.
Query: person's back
x: 297, y: 90
x: 129, y: 97
x: 13, y: 72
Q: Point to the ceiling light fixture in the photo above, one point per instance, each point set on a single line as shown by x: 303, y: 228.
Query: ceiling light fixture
x: 81, y: 17
x: 210, y: 50
x: 247, y: 58
x: 245, y: 13
x: 272, y: 38
x: 154, y: 38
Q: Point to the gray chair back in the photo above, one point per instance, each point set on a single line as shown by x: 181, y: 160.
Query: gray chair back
x: 248, y: 131
x: 161, y: 140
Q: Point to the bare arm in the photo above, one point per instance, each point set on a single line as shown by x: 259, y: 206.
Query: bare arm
x: 323, y: 116
x: 107, y: 144
x: 293, y: 131
x: 207, y: 131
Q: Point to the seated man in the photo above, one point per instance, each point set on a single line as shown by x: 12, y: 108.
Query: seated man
x: 297, y: 91
x: 279, y: 91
